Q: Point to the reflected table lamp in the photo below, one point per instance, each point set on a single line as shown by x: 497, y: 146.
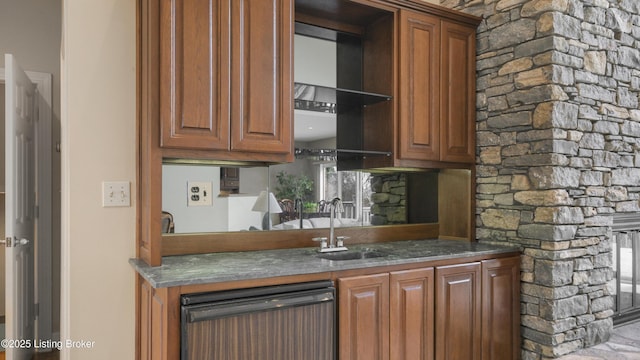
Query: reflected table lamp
x: 268, y: 204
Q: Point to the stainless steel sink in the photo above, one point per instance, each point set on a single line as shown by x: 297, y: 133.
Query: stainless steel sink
x: 352, y: 255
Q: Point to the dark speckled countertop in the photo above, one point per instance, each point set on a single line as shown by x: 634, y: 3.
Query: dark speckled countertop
x: 234, y: 266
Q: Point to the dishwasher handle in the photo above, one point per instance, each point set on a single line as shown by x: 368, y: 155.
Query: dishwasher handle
x: 211, y: 311
x: 216, y: 296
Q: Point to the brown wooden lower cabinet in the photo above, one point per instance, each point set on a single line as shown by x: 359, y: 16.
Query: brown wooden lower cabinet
x: 411, y: 314
x: 363, y: 317
x: 457, y: 312
x: 153, y: 319
x: 458, y: 307
x: 386, y: 316
x: 500, y: 309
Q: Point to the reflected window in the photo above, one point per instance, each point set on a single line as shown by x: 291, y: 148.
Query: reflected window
x: 353, y: 187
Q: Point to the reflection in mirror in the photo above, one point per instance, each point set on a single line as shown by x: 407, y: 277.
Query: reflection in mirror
x: 294, y: 196
x: 219, y: 211
x: 282, y: 197
x: 310, y: 184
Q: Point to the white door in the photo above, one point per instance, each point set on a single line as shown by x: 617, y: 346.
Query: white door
x: 19, y: 209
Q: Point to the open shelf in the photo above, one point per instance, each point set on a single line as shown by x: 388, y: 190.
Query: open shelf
x: 328, y: 154
x: 327, y: 99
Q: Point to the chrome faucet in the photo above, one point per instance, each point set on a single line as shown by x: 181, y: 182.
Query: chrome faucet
x: 334, y: 205
x: 298, y: 206
x: 335, y: 243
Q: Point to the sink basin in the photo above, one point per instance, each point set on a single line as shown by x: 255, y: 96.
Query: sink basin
x: 352, y: 255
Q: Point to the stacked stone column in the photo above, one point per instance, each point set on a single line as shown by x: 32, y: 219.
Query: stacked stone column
x: 558, y: 137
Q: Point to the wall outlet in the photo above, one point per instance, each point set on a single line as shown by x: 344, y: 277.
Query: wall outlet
x: 199, y: 193
x: 116, y: 193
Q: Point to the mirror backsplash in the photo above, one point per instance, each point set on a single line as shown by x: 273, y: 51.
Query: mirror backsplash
x: 204, y: 198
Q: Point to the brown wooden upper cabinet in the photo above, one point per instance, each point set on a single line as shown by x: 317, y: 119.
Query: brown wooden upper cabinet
x: 436, y: 90
x: 226, y: 76
x: 215, y: 83
x: 431, y: 123
x: 457, y: 92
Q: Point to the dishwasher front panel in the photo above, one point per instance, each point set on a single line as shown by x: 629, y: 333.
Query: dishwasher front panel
x: 284, y: 325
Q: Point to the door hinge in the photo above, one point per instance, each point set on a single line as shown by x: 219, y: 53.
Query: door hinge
x: 7, y: 242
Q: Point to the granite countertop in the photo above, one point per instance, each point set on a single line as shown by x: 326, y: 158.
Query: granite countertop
x: 234, y: 266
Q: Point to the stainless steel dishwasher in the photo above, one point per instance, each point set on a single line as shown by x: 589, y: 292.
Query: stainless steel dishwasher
x: 293, y: 321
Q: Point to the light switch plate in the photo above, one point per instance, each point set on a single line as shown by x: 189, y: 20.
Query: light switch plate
x: 199, y: 193
x: 116, y: 193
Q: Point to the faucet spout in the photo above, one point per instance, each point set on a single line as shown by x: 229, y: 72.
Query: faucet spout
x: 299, y: 207
x: 335, y: 206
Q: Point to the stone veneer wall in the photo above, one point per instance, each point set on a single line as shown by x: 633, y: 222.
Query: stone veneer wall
x: 389, y: 199
x: 558, y: 153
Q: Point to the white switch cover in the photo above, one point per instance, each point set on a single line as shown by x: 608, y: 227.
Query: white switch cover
x: 116, y: 193
x: 199, y: 193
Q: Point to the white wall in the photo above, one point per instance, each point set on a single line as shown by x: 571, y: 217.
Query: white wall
x: 316, y: 61
x: 241, y: 217
x: 253, y: 180
x: 98, y: 144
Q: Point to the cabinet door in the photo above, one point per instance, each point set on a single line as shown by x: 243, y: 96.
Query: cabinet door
x: 458, y: 94
x: 194, y: 73
x: 157, y: 337
x: 411, y: 314
x: 261, y: 73
x: 419, y: 87
x: 363, y: 305
x: 501, y: 309
x: 458, y: 312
